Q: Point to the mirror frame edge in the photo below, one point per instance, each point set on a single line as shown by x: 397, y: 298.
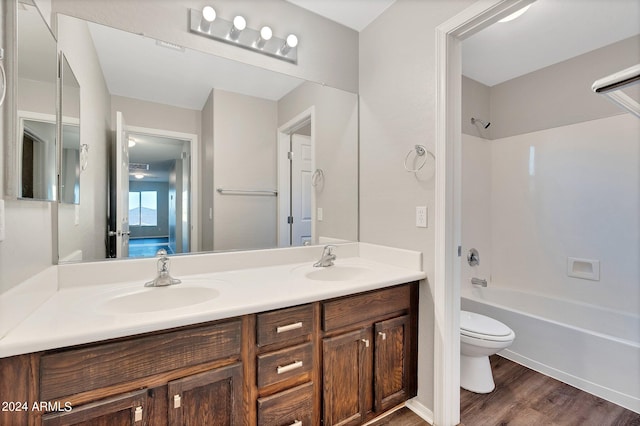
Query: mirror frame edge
x: 9, y: 109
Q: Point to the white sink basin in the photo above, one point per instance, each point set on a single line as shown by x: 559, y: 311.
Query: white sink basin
x: 153, y: 299
x: 338, y: 273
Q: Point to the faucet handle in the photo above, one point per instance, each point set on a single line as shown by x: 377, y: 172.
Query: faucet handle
x: 163, y: 260
x: 329, y: 248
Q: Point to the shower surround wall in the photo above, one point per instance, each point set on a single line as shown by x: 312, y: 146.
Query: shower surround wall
x: 570, y: 191
x: 550, y: 187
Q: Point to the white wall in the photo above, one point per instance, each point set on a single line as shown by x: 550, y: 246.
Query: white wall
x: 336, y: 115
x: 206, y: 176
x: 476, y: 207
x: 576, y: 196
x: 244, y: 157
x: 397, y: 111
x: 579, y: 197
x: 74, y: 40
x: 559, y: 94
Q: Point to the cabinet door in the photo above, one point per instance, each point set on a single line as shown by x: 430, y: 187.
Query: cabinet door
x: 212, y: 398
x: 391, y: 369
x: 122, y: 410
x: 347, y: 363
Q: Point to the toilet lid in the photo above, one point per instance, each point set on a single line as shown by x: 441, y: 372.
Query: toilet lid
x: 476, y: 324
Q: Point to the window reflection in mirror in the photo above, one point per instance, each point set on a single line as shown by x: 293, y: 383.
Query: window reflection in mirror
x: 36, y: 104
x: 70, y: 156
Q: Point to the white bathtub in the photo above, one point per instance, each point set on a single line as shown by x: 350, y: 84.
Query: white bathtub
x: 591, y: 348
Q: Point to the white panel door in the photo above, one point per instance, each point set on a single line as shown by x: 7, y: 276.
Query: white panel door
x: 301, y: 193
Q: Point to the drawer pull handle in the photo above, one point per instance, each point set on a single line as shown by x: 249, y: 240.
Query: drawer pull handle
x: 137, y: 415
x: 289, y: 327
x: 176, y: 401
x: 366, y: 342
x: 383, y: 335
x: 286, y: 368
x: 296, y: 423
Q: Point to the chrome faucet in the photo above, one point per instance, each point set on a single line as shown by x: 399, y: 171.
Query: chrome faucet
x: 164, y: 278
x: 327, y: 257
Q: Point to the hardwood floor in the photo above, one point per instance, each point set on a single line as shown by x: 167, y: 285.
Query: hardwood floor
x: 524, y: 397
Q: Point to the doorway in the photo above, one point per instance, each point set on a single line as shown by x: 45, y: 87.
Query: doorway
x: 449, y: 35
x: 296, y: 197
x: 160, y: 204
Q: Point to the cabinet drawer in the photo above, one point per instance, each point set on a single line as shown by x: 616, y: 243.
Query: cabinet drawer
x: 284, y: 364
x: 92, y: 367
x: 283, y: 325
x: 365, y: 307
x: 291, y: 407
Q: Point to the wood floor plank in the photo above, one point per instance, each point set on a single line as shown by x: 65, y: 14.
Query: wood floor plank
x: 524, y: 397
x: 536, y: 399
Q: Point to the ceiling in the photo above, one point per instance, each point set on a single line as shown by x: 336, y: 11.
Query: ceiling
x: 551, y: 31
x: 355, y: 14
x: 507, y: 50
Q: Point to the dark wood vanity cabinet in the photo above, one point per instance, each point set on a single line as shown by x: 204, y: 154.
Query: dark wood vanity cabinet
x: 287, y: 369
x: 369, y: 354
x: 212, y: 397
x: 338, y: 362
x: 121, y: 410
x: 189, y: 375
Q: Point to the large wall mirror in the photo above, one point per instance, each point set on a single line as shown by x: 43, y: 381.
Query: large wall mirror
x: 36, y: 106
x: 189, y: 152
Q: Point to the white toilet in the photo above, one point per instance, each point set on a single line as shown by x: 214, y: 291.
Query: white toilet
x: 480, y: 336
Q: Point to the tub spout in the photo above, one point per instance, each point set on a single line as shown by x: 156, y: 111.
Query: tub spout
x: 478, y: 281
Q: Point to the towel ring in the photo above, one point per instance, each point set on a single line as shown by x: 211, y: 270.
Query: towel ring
x: 420, y: 151
x: 317, y: 177
x: 84, y: 157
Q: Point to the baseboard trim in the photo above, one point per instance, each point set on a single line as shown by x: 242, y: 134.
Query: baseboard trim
x: 627, y: 401
x: 422, y: 411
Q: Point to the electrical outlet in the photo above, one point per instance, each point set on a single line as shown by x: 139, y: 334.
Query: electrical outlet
x: 421, y: 216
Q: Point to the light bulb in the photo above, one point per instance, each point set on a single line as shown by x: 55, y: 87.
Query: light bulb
x: 292, y: 40
x: 139, y: 176
x: 239, y: 23
x: 266, y: 33
x: 209, y: 14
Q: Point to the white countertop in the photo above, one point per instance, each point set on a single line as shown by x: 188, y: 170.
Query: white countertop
x: 80, y: 314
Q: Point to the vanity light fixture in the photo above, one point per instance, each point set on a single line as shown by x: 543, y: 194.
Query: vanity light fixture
x: 206, y: 23
x: 139, y: 176
x: 132, y: 142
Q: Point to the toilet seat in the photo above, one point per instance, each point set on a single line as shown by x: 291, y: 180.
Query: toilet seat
x: 482, y: 327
